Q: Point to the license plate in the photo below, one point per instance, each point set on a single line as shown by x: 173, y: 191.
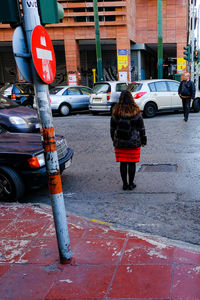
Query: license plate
x: 68, y: 163
x: 37, y: 125
x: 97, y: 100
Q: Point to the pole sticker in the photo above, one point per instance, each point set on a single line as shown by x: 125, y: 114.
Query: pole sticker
x: 31, y: 3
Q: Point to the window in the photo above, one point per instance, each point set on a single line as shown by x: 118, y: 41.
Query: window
x: 152, y: 87
x: 73, y: 91
x: 101, y: 88
x: 85, y: 91
x: 121, y: 87
x: 55, y: 90
x: 173, y: 86
x: 161, y: 86
x: 134, y: 87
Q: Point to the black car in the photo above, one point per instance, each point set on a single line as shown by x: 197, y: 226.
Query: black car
x: 16, y: 118
x: 22, y: 163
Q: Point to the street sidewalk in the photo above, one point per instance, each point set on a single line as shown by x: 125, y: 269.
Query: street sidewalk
x: 107, y: 263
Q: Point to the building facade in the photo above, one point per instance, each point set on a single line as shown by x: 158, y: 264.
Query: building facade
x: 128, y: 31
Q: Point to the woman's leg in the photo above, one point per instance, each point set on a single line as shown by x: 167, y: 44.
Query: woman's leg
x: 123, y: 172
x: 131, y: 172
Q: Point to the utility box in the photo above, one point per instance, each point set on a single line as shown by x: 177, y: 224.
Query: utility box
x: 177, y: 77
x: 10, y: 12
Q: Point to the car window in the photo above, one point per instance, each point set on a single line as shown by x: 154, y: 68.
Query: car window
x: 85, y: 91
x: 134, y: 87
x: 6, y: 103
x: 121, y: 87
x: 161, y: 86
x: 173, y: 86
x: 101, y: 88
x: 24, y: 88
x: 55, y: 90
x: 152, y: 87
x: 73, y: 91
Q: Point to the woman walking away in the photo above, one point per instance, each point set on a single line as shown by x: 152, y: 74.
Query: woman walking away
x: 128, y: 135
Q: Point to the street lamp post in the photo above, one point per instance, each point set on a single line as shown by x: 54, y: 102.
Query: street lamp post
x: 98, y: 42
x: 160, y: 41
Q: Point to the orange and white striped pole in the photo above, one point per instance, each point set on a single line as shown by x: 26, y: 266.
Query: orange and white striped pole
x: 31, y: 20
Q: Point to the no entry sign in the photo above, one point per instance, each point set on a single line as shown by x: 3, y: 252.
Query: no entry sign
x: 43, y: 54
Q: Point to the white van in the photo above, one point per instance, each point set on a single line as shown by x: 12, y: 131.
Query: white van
x: 105, y: 94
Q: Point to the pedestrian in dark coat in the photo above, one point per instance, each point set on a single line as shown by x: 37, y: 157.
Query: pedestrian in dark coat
x: 128, y: 135
x: 187, y: 93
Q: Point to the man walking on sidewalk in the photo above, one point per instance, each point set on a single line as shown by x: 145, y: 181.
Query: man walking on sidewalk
x: 187, y: 93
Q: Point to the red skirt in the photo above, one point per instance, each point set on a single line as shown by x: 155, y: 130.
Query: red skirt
x: 127, y: 154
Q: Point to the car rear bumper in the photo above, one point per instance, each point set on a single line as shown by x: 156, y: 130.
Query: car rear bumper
x: 100, y: 107
x: 36, y: 178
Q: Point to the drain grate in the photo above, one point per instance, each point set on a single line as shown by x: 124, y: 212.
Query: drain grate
x: 158, y: 168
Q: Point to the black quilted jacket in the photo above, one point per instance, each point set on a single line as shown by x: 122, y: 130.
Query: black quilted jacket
x: 136, y: 123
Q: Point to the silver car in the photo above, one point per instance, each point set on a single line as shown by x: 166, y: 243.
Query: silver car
x: 65, y: 99
x: 105, y: 94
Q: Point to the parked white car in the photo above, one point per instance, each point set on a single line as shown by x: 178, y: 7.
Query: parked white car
x: 65, y: 99
x: 105, y: 94
x: 159, y: 95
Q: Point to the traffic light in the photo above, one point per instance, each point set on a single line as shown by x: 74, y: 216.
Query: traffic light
x: 187, y: 52
x: 10, y: 12
x: 50, y: 11
x: 196, y: 55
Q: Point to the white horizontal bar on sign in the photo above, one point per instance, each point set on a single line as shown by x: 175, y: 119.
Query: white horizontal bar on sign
x: 44, y: 54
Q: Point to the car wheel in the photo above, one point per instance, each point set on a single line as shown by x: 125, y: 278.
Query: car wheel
x: 64, y: 110
x: 150, y: 110
x: 11, y: 185
x: 195, y: 105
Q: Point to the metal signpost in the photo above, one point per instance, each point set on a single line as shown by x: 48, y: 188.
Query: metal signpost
x: 43, y: 70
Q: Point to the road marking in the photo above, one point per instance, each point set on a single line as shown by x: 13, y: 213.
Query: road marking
x: 101, y: 222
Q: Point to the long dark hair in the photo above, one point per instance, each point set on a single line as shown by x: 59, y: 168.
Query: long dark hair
x: 126, y: 107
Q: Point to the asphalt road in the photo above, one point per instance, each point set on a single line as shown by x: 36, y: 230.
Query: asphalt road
x: 166, y: 201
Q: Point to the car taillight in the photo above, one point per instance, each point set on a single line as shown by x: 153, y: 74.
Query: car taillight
x: 13, y: 96
x: 108, y: 96
x: 139, y: 95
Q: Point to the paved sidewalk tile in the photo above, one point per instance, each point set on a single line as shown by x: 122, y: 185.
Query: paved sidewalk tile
x: 142, y: 281
x: 106, y: 263
x: 82, y: 282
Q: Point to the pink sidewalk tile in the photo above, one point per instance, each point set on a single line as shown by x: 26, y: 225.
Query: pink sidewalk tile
x: 137, y: 253
x: 35, y: 212
x: 105, y: 233
x: 44, y: 251
x: 3, y: 224
x: 82, y: 282
x: 142, y: 281
x: 11, y: 211
x: 25, y: 228
x: 27, y: 282
x: 12, y: 249
x: 4, y: 269
x: 184, y: 256
x: 186, y: 283
x: 98, y: 251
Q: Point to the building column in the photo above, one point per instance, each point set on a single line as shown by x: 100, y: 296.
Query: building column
x: 123, y: 56
x: 72, y: 58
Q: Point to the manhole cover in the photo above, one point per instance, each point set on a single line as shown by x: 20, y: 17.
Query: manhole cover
x: 158, y: 168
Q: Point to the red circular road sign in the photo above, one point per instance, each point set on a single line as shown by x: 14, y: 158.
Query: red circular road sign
x: 43, y: 54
